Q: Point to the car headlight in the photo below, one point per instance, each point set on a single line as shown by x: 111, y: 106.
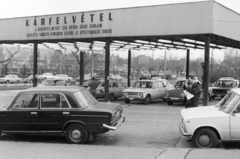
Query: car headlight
x: 124, y: 93
x: 140, y: 94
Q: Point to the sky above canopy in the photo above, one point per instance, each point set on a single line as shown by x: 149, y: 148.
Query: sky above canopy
x: 23, y: 8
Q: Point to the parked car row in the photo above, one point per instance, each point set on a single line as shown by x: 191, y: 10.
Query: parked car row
x: 49, y: 76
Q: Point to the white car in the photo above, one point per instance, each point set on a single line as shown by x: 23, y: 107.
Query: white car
x: 10, y: 79
x: 145, y: 90
x: 47, y: 76
x: 208, y: 124
x: 63, y: 77
x: 116, y: 77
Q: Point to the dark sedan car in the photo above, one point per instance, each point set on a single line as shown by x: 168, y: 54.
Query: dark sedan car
x: 69, y: 110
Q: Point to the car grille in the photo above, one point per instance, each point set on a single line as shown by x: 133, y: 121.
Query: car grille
x: 132, y: 93
x: 175, y: 94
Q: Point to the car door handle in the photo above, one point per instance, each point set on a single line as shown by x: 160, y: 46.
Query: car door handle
x: 33, y: 113
x: 66, y: 113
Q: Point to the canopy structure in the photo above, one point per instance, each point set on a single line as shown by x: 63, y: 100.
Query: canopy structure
x: 196, y: 25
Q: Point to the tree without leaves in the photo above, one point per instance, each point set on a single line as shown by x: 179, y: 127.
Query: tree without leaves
x: 11, y: 53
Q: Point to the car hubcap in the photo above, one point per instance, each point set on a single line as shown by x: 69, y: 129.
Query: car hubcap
x: 204, y: 140
x: 76, y: 134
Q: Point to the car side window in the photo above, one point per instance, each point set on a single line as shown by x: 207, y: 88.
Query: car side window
x: 115, y: 84
x: 54, y: 101
x: 26, y: 101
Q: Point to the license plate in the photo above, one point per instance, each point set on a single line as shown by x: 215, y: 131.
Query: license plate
x: 131, y: 98
x: 174, y: 98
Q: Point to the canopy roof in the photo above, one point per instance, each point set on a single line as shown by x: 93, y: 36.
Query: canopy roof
x: 178, y: 26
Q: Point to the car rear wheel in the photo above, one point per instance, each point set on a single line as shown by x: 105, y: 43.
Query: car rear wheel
x: 76, y: 134
x: 147, y: 99
x: 170, y: 103
x: 127, y: 101
x: 111, y: 97
x: 205, y: 138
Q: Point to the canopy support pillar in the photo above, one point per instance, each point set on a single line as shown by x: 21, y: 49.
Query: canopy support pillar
x: 129, y: 68
x: 107, y: 61
x: 35, y: 61
x: 206, y: 70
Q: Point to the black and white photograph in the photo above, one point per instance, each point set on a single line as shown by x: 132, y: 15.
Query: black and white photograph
x: 119, y: 79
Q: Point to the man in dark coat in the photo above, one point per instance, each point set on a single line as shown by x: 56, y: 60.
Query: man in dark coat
x: 194, y: 87
x: 93, y: 86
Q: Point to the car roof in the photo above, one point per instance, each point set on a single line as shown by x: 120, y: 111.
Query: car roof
x: 55, y: 88
x: 147, y: 80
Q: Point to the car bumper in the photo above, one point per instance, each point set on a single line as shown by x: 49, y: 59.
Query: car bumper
x: 116, y: 125
x: 134, y: 98
x: 174, y: 99
x: 182, y: 130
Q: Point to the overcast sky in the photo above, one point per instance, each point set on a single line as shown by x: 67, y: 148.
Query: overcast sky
x: 22, y: 8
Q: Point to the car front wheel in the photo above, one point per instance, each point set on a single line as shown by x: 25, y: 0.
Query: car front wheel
x: 170, y: 103
x: 127, y: 101
x: 147, y: 99
x: 205, y: 138
x: 76, y: 134
x: 111, y: 97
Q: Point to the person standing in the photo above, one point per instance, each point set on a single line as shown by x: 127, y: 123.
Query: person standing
x: 194, y: 87
x: 93, y: 86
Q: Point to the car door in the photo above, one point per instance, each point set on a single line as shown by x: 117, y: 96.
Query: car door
x: 154, y: 90
x: 116, y: 90
x: 121, y: 88
x: 23, y: 113
x: 54, y: 111
x: 234, y: 123
x: 161, y: 89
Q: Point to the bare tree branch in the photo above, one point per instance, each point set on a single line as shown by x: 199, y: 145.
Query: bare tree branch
x: 11, y: 55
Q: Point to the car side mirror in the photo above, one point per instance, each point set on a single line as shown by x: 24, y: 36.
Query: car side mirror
x: 234, y: 112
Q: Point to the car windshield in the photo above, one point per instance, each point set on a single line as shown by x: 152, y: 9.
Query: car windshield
x: 143, y: 84
x: 84, y: 98
x: 225, y: 83
x: 228, y: 102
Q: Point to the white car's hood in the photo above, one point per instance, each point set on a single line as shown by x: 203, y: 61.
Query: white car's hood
x: 201, y: 112
x: 138, y: 90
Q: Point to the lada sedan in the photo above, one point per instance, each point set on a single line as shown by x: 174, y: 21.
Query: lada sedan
x: 223, y: 85
x: 206, y: 125
x: 68, y: 110
x: 176, y: 95
x: 145, y: 90
x: 10, y: 79
x: 116, y: 89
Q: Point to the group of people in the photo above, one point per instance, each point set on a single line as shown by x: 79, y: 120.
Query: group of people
x: 192, y: 86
